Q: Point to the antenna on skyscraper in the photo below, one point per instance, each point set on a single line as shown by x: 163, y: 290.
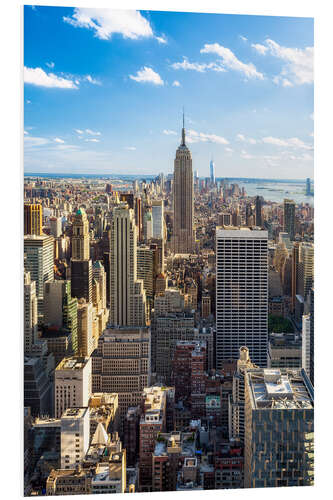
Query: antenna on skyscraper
x: 183, y: 129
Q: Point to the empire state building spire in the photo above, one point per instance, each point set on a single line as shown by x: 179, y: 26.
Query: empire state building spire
x: 183, y: 130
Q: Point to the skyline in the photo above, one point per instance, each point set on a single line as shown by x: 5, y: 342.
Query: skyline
x: 262, y: 65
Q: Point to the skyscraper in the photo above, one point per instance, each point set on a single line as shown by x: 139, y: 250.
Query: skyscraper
x: 60, y: 308
x: 259, y: 211
x: 128, y: 298
x: 306, y: 265
x: 212, y: 172
x: 241, y: 294
x: 279, y: 420
x: 289, y: 219
x: 308, y: 187
x: 121, y: 363
x: 158, y: 219
x: 39, y: 251
x: 183, y: 233
x: 30, y: 312
x: 33, y: 214
x: 72, y: 384
x: 80, y: 236
x: 81, y: 267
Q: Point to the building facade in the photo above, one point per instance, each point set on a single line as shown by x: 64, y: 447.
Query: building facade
x: 279, y: 419
x: 183, y: 233
x: 241, y: 294
x: 128, y: 298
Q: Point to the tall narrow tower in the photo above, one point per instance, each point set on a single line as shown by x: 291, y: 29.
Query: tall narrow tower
x: 183, y: 236
x: 81, y: 267
x: 80, y: 237
x: 128, y: 298
x: 212, y: 172
x: 289, y: 218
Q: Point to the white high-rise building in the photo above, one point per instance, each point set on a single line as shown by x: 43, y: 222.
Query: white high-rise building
x: 75, y: 436
x: 306, y: 352
x: 128, y: 298
x: 158, y: 219
x: 39, y: 260
x: 55, y: 226
x: 30, y: 313
x: 72, y: 384
x: 306, y: 264
x: 212, y: 172
x: 241, y: 294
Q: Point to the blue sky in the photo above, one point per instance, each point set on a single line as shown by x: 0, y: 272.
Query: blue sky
x: 104, y: 92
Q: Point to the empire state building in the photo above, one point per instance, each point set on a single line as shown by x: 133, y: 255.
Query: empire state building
x: 183, y: 233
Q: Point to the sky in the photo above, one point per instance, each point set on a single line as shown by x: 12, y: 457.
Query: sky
x: 104, y: 92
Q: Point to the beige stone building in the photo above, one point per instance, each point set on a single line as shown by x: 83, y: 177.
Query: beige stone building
x: 121, y: 363
x: 72, y: 384
x: 128, y: 298
x: 183, y: 231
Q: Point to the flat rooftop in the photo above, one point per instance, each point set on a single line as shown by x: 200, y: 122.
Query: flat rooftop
x: 74, y: 413
x: 280, y: 389
x: 240, y: 232
x: 74, y: 363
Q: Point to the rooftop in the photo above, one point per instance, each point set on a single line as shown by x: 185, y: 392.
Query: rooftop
x: 240, y: 232
x: 74, y: 363
x: 280, y: 389
x: 74, y: 413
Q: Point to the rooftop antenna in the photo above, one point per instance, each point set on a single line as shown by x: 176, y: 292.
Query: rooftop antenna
x: 183, y: 129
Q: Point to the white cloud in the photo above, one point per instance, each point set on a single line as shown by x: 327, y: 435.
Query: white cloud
x: 169, y: 132
x: 249, y: 140
x: 92, y: 140
x: 28, y: 102
x: 91, y: 132
x: 200, y: 67
x: 303, y: 157
x: 67, y: 147
x: 78, y: 131
x: 275, y: 141
x: 92, y: 80
x: 161, y: 39
x: 228, y: 150
x: 230, y: 61
x: 37, y: 76
x: 283, y: 81
x: 31, y: 141
x: 247, y: 156
x: 147, y: 75
x: 293, y: 142
x: 262, y: 49
x: 60, y: 141
x: 130, y: 148
x: 50, y: 64
x: 106, y: 22
x: 192, y: 136
x: 298, y: 68
x: 243, y: 38
x: 176, y: 84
